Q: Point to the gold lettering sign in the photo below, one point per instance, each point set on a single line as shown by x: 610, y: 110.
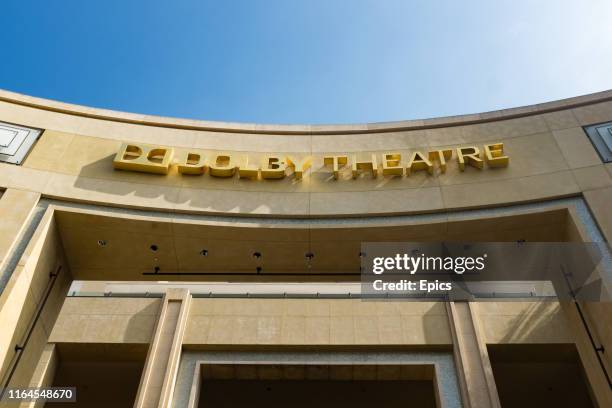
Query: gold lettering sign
x: 392, y: 164
x: 299, y: 166
x: 336, y: 162
x: 469, y: 155
x: 192, y: 163
x: 494, y: 155
x: 365, y: 165
x: 144, y: 158
x: 222, y: 166
x: 247, y: 170
x: 418, y: 162
x: 441, y: 156
x: 159, y: 160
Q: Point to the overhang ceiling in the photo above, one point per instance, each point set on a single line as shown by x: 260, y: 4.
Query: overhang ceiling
x: 112, y: 246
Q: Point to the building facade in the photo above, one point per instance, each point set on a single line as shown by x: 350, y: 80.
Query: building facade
x: 158, y: 262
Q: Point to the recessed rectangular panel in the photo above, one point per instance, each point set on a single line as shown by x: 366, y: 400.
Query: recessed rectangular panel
x: 7, y: 136
x: 606, y: 135
x: 16, y: 141
x: 601, y: 137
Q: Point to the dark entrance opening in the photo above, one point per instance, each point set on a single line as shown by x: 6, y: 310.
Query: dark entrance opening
x: 105, y: 375
x: 316, y: 393
x: 317, y: 385
x: 539, y: 375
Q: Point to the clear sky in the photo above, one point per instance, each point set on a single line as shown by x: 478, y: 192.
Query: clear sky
x: 311, y: 61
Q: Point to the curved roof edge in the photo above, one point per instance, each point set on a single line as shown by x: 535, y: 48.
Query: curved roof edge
x: 235, y: 127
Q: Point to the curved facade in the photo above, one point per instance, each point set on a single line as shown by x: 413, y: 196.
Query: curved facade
x: 164, y: 257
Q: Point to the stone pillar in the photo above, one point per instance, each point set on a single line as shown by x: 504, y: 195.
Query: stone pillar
x: 474, y: 370
x: 43, y: 374
x: 16, y: 207
x: 159, y: 374
x: 600, y: 390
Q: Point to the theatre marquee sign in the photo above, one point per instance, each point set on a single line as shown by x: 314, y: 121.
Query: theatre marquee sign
x: 159, y: 160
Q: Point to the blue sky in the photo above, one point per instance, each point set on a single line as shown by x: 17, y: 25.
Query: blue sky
x: 329, y: 61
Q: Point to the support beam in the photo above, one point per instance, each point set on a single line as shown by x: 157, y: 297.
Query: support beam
x: 595, y: 375
x: 43, y: 374
x: 474, y: 370
x: 159, y: 374
x: 16, y: 206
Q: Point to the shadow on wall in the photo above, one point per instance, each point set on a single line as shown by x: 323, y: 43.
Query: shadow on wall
x: 537, y: 323
x: 206, y: 193
x: 95, y: 177
x: 235, y: 194
x: 141, y: 325
x: 436, y: 326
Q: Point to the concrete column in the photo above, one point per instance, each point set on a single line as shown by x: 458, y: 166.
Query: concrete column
x: 16, y: 206
x: 159, y: 374
x: 43, y: 374
x: 599, y: 204
x: 600, y: 390
x: 474, y: 370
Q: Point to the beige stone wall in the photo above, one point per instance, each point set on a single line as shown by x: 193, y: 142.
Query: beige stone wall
x: 16, y: 207
x: 315, y: 322
x: 102, y: 320
x: 306, y: 322
x: 550, y: 157
x: 24, y: 295
x: 253, y: 322
x: 523, y: 322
